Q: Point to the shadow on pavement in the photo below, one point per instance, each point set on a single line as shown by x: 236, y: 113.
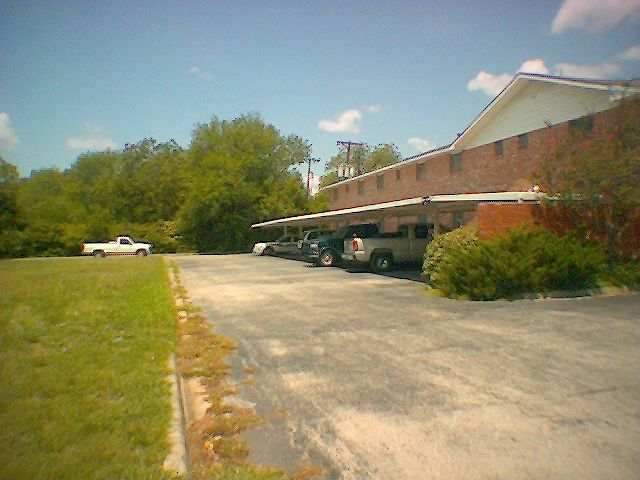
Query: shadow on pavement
x: 405, y: 272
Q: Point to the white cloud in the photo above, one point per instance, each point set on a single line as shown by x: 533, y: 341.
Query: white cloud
x: 489, y: 83
x: 421, y: 144
x: 593, y: 15
x: 631, y: 53
x: 94, y: 139
x: 375, y: 108
x: 8, y: 138
x: 492, y: 84
x: 347, y: 121
x: 198, y: 73
x: 601, y: 70
x: 535, y: 65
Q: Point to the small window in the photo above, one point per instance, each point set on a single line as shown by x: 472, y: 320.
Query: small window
x: 361, y: 187
x: 523, y: 140
x: 124, y: 241
x: 499, y: 147
x: 455, y: 164
x: 380, y: 182
x: 397, y: 175
x: 421, y: 171
x: 581, y: 125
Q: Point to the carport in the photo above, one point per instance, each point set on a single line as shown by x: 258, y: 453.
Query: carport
x: 425, y: 209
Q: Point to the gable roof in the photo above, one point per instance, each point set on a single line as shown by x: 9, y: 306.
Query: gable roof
x: 508, y: 92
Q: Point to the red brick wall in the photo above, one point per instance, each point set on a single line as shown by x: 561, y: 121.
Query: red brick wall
x: 496, y: 218
x: 482, y: 171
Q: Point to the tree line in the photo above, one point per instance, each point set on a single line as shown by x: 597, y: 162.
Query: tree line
x: 201, y: 198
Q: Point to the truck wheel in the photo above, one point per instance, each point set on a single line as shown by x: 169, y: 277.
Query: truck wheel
x: 327, y: 258
x: 99, y: 253
x: 141, y: 253
x: 267, y: 251
x: 382, y: 262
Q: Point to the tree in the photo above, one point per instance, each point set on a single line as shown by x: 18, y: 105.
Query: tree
x: 594, y: 178
x: 242, y: 172
x: 234, y: 173
x: 8, y: 190
x: 364, y: 158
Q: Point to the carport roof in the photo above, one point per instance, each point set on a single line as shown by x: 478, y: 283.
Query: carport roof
x: 409, y: 206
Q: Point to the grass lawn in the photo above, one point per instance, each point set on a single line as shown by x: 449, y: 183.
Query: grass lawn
x: 84, y: 345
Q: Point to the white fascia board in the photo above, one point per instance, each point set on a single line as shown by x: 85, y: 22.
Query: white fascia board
x: 499, y: 99
x: 485, y: 197
x: 507, y: 92
x: 345, y: 211
x: 409, y: 202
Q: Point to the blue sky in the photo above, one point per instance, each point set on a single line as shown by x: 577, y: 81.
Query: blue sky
x: 78, y: 76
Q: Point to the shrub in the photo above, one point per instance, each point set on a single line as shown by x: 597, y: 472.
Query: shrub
x: 521, y: 261
x: 623, y: 274
x: 461, y: 239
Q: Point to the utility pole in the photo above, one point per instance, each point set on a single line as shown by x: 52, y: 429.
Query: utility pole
x: 309, y: 174
x: 347, y: 144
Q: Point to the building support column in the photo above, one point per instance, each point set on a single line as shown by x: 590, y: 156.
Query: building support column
x: 300, y: 231
x: 381, y: 224
x: 436, y: 221
x: 286, y: 230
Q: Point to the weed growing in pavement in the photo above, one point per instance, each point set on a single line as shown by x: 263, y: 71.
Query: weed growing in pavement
x: 216, y: 447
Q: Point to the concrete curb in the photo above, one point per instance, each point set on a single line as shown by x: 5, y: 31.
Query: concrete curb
x: 554, y: 294
x: 177, y: 461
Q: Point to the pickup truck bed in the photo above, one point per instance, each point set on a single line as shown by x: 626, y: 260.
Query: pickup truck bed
x: 120, y: 246
x: 381, y: 252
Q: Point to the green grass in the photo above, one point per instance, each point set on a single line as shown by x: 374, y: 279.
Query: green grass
x: 84, y: 345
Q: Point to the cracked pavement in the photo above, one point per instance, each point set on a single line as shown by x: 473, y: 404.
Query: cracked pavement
x: 371, y: 378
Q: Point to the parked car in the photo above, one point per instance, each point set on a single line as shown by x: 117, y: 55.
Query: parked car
x: 327, y: 250
x: 285, y: 245
x: 119, y: 246
x: 380, y: 252
x: 312, y: 235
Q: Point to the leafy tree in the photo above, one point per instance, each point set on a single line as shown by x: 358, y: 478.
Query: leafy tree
x: 363, y: 158
x: 242, y: 173
x: 234, y: 173
x: 594, y: 178
x: 8, y: 190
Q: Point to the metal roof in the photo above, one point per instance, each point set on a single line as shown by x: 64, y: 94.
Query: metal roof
x: 406, y: 207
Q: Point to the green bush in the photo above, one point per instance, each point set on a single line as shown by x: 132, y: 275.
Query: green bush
x: 623, y: 274
x: 521, y: 261
x: 461, y: 239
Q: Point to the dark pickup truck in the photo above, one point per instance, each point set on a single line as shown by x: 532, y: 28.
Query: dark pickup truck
x: 327, y: 250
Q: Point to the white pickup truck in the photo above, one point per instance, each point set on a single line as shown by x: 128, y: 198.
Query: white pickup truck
x: 381, y: 251
x: 119, y: 246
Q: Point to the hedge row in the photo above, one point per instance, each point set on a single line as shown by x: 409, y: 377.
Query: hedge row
x: 521, y: 261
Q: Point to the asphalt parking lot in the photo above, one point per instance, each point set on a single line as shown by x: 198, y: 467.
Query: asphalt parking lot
x: 372, y: 378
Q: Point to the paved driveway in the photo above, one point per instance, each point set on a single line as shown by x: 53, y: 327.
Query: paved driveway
x: 374, y: 379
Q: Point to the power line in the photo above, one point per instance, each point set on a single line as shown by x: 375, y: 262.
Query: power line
x: 348, y: 144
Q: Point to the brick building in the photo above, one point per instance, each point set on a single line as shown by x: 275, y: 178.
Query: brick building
x: 497, y: 153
